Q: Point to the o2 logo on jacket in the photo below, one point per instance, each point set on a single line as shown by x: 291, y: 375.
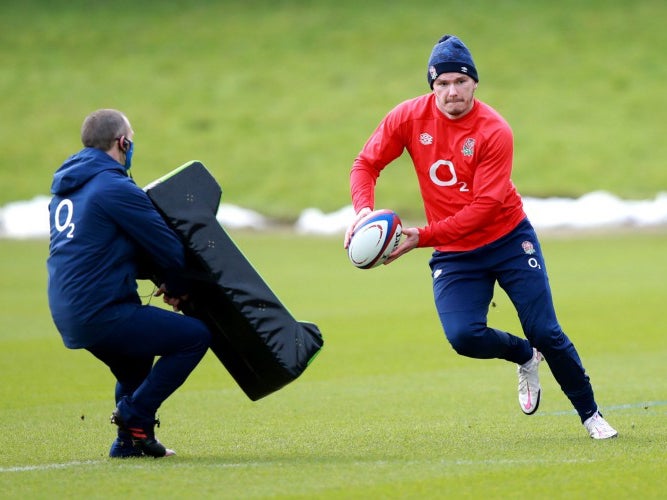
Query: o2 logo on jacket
x: 448, y: 178
x: 67, y: 206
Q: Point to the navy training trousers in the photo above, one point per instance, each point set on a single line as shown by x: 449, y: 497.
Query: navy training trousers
x: 463, y: 285
x: 142, y: 386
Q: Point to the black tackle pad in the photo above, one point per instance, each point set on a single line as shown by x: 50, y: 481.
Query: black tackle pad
x: 254, y: 336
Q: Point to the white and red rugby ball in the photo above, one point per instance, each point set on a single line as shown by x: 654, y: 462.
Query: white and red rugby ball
x: 374, y: 238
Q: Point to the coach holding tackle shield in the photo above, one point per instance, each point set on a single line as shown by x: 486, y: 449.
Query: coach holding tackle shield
x: 462, y: 152
x: 103, y: 226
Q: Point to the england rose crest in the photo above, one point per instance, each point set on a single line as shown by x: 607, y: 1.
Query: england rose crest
x: 468, y: 147
x: 528, y: 247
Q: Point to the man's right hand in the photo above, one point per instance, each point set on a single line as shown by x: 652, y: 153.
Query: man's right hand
x: 348, y: 234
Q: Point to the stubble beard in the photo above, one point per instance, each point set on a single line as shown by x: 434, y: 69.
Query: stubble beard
x: 456, y: 108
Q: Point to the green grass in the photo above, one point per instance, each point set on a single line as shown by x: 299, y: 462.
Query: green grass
x: 278, y: 97
x: 387, y: 410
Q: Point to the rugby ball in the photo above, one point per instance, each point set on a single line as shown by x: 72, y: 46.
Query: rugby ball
x: 374, y: 238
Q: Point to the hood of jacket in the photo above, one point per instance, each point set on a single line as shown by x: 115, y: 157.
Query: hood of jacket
x: 80, y: 168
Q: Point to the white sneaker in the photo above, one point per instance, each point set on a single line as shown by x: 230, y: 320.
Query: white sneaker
x: 529, y: 384
x: 598, y: 428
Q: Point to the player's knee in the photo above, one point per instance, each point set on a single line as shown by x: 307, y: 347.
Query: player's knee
x: 549, y: 340
x: 199, y: 335
x: 465, y: 339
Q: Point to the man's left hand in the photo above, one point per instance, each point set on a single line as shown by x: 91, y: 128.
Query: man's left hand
x: 174, y: 302
x: 410, y: 241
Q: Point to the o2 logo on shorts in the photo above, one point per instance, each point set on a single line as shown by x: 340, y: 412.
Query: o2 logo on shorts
x: 529, y: 249
x: 64, y: 225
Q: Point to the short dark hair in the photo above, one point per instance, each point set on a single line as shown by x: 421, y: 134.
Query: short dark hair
x: 102, y: 127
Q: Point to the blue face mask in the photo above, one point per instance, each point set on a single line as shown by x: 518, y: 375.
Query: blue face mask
x: 128, y: 156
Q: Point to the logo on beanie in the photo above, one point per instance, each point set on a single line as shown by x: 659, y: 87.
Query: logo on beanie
x: 464, y: 69
x: 425, y: 139
x: 468, y: 147
x: 432, y: 71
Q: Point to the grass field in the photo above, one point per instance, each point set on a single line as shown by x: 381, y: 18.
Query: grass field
x: 387, y: 410
x: 278, y: 97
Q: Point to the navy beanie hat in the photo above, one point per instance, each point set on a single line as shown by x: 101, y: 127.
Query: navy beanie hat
x: 450, y: 55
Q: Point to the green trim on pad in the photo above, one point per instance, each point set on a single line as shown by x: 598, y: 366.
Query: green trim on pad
x: 170, y: 174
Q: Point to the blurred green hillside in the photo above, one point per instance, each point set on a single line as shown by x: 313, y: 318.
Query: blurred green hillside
x: 277, y: 97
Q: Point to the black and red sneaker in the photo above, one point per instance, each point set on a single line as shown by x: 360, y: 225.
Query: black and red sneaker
x: 143, y: 437
x: 123, y: 447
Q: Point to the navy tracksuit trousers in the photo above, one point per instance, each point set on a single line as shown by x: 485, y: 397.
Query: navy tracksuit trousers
x: 463, y: 284
x: 180, y: 341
